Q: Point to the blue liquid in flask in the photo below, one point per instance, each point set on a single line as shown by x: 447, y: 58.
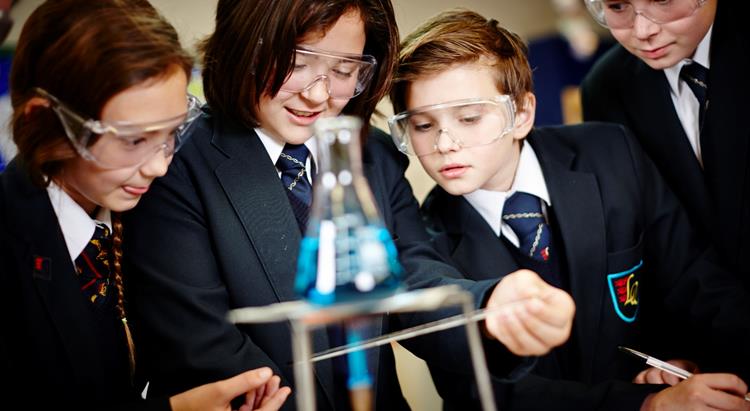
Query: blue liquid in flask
x: 347, y: 254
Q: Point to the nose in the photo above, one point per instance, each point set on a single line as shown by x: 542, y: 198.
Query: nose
x: 643, y: 27
x: 447, y: 144
x: 157, y: 164
x: 319, y: 90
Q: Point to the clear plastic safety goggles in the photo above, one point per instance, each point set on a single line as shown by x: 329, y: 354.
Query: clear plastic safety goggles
x: 123, y: 144
x: 467, y: 123
x: 620, y: 14
x: 345, y: 75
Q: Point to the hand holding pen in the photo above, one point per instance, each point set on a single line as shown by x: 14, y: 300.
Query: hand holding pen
x: 661, y: 372
x: 696, y: 392
x: 653, y: 375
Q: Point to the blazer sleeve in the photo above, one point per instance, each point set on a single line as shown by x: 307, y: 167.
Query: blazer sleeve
x: 591, y: 99
x: 533, y: 392
x: 601, y: 99
x: 178, y: 297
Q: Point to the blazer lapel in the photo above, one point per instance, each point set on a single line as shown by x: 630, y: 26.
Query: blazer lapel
x: 665, y: 139
x: 585, y: 248
x: 251, y: 183
x: 479, y: 252
x: 53, y: 275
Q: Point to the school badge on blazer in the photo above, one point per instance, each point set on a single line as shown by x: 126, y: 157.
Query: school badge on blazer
x: 623, y: 288
x: 41, y: 267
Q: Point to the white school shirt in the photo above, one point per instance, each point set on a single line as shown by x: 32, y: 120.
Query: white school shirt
x: 76, y: 225
x: 685, y: 103
x: 274, y: 149
x: 528, y: 179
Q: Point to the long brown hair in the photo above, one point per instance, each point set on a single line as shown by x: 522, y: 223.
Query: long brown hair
x: 84, y: 53
x: 251, y: 51
x: 461, y: 36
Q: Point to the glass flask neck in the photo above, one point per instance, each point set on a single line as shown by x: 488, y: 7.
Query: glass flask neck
x: 340, y: 175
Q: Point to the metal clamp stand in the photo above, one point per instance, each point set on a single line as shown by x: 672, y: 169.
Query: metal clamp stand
x: 305, y: 317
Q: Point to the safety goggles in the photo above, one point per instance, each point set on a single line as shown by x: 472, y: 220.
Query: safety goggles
x: 344, y: 75
x: 467, y: 123
x: 122, y: 144
x: 620, y: 14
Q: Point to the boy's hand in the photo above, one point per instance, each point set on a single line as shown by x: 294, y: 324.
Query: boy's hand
x: 701, y: 392
x: 540, y: 319
x: 656, y: 376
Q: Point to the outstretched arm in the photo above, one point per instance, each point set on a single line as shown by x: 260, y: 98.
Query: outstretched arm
x: 538, y: 317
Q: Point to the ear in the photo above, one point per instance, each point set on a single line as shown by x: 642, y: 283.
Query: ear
x: 34, y: 103
x: 525, y: 116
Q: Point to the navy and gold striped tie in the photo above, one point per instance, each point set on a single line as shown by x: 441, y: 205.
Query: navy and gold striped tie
x: 696, y: 77
x: 523, y: 213
x: 291, y: 163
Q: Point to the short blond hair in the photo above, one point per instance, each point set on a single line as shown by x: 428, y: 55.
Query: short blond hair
x: 461, y: 36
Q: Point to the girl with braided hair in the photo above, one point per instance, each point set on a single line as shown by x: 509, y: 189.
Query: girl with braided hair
x: 99, y: 104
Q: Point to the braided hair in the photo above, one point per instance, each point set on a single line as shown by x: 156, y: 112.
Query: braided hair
x: 117, y: 274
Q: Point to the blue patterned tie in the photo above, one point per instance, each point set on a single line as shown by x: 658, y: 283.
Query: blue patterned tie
x: 291, y: 163
x: 696, y: 77
x: 523, y: 213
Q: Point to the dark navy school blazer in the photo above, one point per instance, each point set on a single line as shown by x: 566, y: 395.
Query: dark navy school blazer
x: 218, y: 233
x: 626, y: 242
x: 49, y: 351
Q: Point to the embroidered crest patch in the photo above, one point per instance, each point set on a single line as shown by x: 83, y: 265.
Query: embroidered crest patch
x: 623, y: 288
x: 41, y: 267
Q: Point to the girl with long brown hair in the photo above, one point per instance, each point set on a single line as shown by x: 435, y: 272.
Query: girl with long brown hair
x: 99, y: 106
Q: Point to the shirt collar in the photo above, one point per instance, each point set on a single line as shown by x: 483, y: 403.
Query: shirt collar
x: 274, y: 148
x: 529, y: 179
x: 76, y: 225
x: 701, y: 56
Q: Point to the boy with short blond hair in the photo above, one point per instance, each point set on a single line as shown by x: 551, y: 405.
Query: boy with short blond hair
x: 580, y: 205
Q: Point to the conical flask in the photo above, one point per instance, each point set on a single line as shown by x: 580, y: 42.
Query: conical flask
x: 347, y: 253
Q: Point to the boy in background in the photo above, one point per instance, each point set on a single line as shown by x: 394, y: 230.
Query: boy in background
x: 679, y: 81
